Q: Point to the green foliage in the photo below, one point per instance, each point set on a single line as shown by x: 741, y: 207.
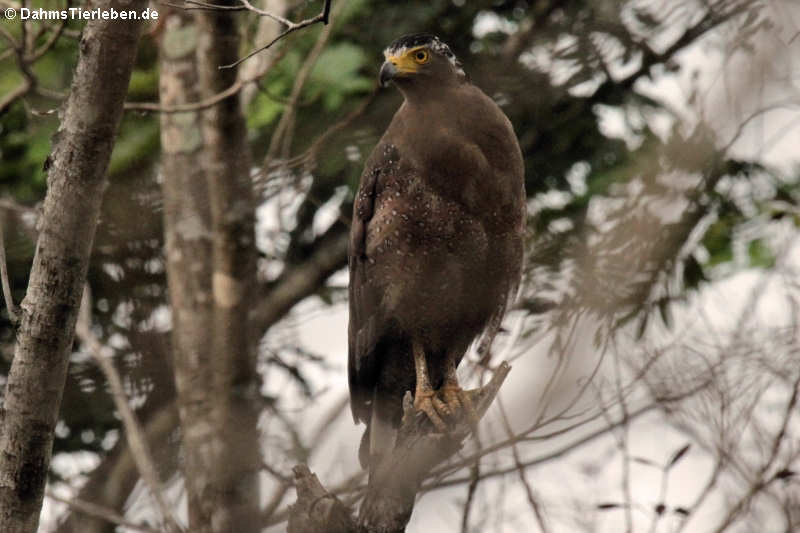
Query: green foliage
x: 144, y: 83
x: 760, y: 254
x: 337, y: 75
x: 263, y: 111
x: 718, y: 240
x: 23, y: 149
x: 138, y: 142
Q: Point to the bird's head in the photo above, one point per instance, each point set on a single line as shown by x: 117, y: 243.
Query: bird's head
x: 420, y: 57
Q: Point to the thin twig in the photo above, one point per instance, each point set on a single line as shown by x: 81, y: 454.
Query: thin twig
x: 206, y: 6
x: 51, y: 41
x: 762, y: 481
x: 568, y: 448
x: 537, y: 509
x: 282, y: 137
x: 292, y: 27
x: 317, y: 438
x: 622, y: 441
x: 10, y: 307
x: 472, y: 488
x: 308, y: 158
x: 133, y: 430
x: 25, y: 60
x: 101, y: 512
x: 20, y: 91
x: 193, y: 106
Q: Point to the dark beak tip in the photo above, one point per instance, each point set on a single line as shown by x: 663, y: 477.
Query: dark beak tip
x: 388, y: 71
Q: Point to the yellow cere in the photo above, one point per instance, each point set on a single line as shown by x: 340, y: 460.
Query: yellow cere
x: 409, y: 60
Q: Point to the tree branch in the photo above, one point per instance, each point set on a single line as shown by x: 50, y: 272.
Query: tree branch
x: 99, y: 511
x: 10, y: 307
x: 395, y: 480
x: 302, y: 280
x: 317, y: 509
x: 323, y: 17
x: 137, y: 442
x: 76, y: 178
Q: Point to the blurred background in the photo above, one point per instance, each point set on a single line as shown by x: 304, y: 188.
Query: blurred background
x: 654, y: 345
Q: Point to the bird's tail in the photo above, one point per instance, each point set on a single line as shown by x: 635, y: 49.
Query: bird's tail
x: 378, y: 437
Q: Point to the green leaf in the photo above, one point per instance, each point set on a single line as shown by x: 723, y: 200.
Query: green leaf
x: 718, y: 240
x: 138, y: 140
x: 337, y: 75
x: 760, y: 254
x: 262, y: 111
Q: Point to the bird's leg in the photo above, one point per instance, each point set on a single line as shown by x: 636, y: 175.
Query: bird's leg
x: 424, y: 393
x: 457, y: 398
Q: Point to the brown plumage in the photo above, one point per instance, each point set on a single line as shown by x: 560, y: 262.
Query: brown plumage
x: 436, y: 239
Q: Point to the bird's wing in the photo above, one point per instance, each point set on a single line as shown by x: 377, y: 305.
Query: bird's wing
x: 367, y: 322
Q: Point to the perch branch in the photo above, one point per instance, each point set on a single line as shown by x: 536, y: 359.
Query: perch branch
x: 395, y: 479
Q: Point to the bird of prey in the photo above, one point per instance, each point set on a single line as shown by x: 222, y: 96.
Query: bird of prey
x: 436, y: 241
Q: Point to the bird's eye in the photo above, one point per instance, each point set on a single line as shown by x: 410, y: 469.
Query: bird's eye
x: 421, y: 56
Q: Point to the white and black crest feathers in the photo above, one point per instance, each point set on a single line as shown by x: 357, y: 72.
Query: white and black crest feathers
x: 407, y: 42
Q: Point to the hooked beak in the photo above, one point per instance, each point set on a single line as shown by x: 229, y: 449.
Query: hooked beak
x: 388, y: 72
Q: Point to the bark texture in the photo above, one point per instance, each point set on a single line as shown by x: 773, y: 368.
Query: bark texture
x: 187, y: 227
x: 209, y: 224
x: 76, y: 179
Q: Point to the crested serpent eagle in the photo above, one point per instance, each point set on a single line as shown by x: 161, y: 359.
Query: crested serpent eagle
x: 436, y: 241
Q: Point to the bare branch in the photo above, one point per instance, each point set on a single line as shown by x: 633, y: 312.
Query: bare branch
x: 98, y: 511
x: 316, y: 509
x: 206, y: 6
x: 26, y: 55
x: 762, y: 480
x: 133, y: 430
x: 302, y: 280
x: 194, y: 106
x: 397, y: 476
x: 395, y: 480
x: 532, y: 501
x: 21, y: 90
x: 292, y: 27
x: 282, y: 136
x: 10, y: 306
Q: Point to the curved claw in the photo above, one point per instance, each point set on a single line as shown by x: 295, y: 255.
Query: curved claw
x: 425, y: 401
x: 457, y: 400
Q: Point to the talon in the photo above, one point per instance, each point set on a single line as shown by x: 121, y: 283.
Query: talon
x: 450, y: 394
x: 441, y: 407
x: 459, y: 400
x: 423, y: 401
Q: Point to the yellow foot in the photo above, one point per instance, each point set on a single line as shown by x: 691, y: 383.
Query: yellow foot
x: 425, y: 401
x: 457, y: 399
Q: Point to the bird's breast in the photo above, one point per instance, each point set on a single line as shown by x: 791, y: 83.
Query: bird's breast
x: 431, y: 259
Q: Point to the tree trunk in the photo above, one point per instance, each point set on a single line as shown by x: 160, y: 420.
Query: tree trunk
x: 76, y: 179
x: 227, y: 165
x: 209, y: 224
